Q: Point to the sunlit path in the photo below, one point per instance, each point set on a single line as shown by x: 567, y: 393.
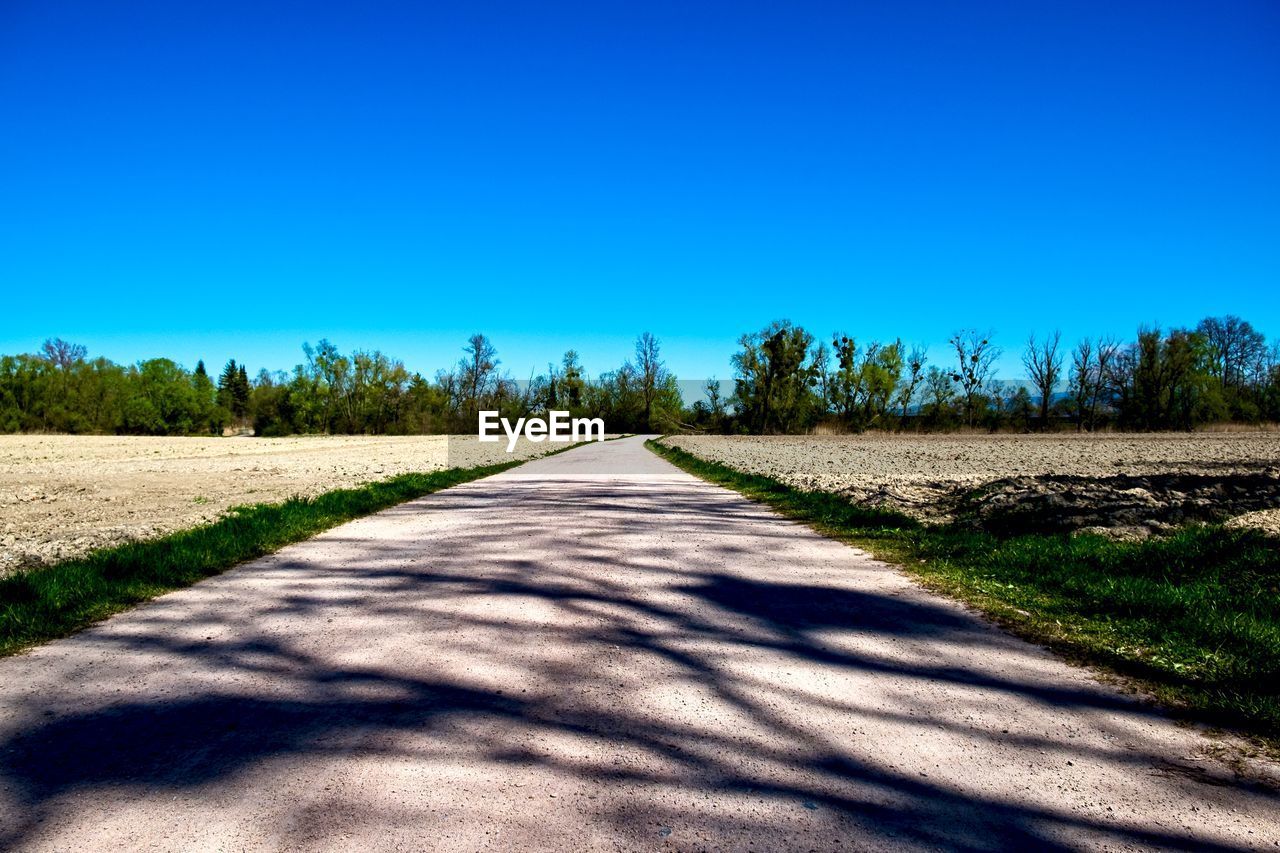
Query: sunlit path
x: 592, y: 650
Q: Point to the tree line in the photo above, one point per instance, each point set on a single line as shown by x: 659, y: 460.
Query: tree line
x: 61, y: 389
x: 785, y: 380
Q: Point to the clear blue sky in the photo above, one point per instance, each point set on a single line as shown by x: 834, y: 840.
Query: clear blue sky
x: 223, y: 179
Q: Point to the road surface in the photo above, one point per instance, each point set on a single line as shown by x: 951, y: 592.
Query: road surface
x: 594, y: 650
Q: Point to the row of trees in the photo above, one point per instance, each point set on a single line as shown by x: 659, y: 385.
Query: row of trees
x: 368, y: 392
x: 1221, y: 370
x: 60, y: 389
x: 785, y: 380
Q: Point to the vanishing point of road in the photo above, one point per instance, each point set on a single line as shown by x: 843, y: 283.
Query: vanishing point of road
x: 592, y: 651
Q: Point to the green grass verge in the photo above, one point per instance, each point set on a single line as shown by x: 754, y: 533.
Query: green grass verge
x: 41, y: 604
x: 1193, y: 617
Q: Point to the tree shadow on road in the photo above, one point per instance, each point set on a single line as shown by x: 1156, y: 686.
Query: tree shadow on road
x: 597, y: 638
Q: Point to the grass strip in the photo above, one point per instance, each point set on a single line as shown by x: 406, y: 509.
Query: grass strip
x: 1193, y: 618
x: 44, y: 603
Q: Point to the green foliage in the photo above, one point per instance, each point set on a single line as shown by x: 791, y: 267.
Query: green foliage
x: 164, y: 402
x: 1183, y: 378
x: 774, y: 378
x: 783, y: 382
x: 865, y: 381
x: 234, y: 390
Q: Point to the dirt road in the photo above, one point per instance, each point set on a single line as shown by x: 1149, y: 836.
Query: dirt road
x: 593, y: 651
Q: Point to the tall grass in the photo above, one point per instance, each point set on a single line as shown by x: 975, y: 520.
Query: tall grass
x: 1194, y: 617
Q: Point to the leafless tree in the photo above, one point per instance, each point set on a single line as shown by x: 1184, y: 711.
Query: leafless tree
x: 715, y: 402
x: 939, y: 395
x: 61, y: 354
x: 1043, y: 362
x: 976, y: 357
x: 651, y: 371
x: 479, y: 361
x: 821, y: 361
x: 1108, y: 359
x: 912, y: 380
x: 1083, y: 378
x: 1094, y: 375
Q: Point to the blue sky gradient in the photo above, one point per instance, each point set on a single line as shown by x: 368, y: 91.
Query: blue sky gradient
x: 229, y: 179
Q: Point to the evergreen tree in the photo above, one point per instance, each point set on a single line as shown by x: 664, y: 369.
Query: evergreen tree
x: 242, y: 389
x: 233, y: 389
x: 206, y: 407
x: 226, y: 382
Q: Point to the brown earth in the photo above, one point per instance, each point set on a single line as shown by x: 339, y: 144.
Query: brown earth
x: 62, y: 496
x: 1264, y: 520
x: 1124, y: 485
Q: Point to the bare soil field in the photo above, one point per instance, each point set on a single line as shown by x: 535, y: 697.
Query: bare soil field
x: 1126, y: 485
x: 62, y: 496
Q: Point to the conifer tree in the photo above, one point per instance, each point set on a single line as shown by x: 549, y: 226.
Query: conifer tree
x: 233, y: 389
x: 226, y: 384
x: 242, y: 393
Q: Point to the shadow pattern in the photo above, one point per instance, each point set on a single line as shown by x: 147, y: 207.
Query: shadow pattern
x: 687, y: 683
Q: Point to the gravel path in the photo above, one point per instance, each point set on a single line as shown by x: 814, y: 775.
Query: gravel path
x: 593, y: 651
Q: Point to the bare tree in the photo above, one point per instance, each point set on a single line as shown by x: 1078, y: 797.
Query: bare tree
x: 1108, y: 358
x: 1044, y: 367
x: 976, y: 357
x: 821, y: 361
x: 1095, y: 375
x: 1083, y: 376
x: 911, y: 382
x: 651, y: 371
x: 479, y: 361
x: 61, y: 354
x: 939, y: 392
x: 715, y: 403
